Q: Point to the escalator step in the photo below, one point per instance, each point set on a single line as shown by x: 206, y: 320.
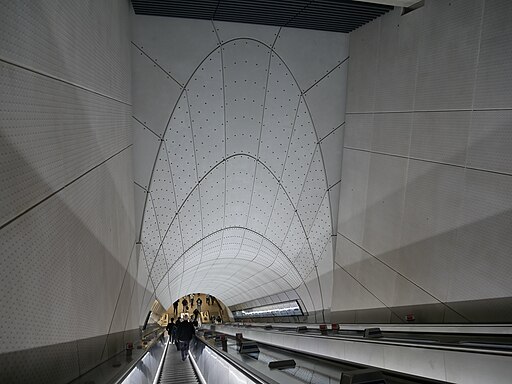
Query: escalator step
x: 176, y: 371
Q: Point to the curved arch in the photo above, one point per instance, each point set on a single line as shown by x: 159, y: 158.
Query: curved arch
x: 271, y: 48
x: 224, y: 229
x: 204, y: 177
x: 197, y: 185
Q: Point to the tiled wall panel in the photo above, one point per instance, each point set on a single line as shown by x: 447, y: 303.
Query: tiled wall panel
x: 384, y: 204
x: 433, y: 205
x: 67, y: 226
x: 355, y: 171
x: 490, y: 141
x: 440, y: 136
x: 64, y: 262
x: 398, y: 53
x: 362, y: 68
x: 483, y: 238
x: 40, y: 35
x: 391, y: 133
x: 446, y: 70
x: 52, y: 132
x: 494, y: 83
x: 359, y: 130
x: 428, y: 128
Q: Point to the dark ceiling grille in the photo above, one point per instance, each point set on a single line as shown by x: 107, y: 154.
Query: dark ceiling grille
x: 326, y: 15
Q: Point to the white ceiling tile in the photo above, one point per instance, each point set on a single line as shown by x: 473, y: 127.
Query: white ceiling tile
x: 205, y: 96
x: 309, y: 54
x: 281, y: 103
x: 180, y: 150
x: 239, y: 183
x: 313, y: 191
x: 239, y: 178
x: 327, y: 99
x: 264, y: 193
x: 299, y: 155
x: 154, y: 90
x: 246, y: 65
x: 164, y: 39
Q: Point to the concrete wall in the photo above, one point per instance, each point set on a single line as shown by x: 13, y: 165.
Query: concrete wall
x: 67, y: 257
x: 425, y: 209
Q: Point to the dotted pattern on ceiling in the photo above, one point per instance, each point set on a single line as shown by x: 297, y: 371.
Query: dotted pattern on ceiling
x: 326, y: 15
x: 237, y: 204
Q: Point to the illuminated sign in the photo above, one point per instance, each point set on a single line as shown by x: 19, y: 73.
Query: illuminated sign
x: 288, y: 308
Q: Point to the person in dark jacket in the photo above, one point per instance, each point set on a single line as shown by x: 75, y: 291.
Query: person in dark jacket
x: 185, y: 333
x: 171, y: 330
x: 176, y: 327
x: 196, y: 314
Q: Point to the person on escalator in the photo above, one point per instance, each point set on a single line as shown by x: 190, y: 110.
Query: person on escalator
x: 184, y: 303
x: 175, y: 339
x: 196, y: 314
x: 185, y: 333
x: 171, y: 330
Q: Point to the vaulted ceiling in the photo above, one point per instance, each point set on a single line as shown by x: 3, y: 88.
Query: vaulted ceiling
x: 238, y: 137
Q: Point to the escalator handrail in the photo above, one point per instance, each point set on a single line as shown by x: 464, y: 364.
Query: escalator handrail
x: 134, y: 363
x: 390, y: 342
x: 161, y: 363
x: 251, y: 373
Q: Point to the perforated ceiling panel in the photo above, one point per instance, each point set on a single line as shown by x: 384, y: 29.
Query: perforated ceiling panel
x: 237, y: 205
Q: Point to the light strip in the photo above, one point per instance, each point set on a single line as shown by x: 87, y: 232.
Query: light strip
x: 289, y: 308
x: 196, y: 368
x: 160, y: 366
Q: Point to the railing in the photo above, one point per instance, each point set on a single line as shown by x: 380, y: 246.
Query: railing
x: 139, y: 360
x: 456, y: 362
x: 250, y: 373
x: 150, y: 329
x: 467, y: 346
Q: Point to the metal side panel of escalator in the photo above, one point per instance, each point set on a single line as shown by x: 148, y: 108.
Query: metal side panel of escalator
x: 176, y: 371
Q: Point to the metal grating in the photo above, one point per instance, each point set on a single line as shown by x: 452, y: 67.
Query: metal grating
x: 326, y: 15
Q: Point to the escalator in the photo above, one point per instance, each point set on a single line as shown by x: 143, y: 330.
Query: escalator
x: 176, y: 371
x: 308, y: 369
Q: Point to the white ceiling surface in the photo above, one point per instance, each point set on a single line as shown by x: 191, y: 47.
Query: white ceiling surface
x: 238, y: 203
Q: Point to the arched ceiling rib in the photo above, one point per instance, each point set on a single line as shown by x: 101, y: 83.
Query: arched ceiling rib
x: 238, y: 200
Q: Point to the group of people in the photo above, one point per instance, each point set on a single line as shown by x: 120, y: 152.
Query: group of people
x: 181, y: 333
x: 190, y: 300
x: 183, y: 330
